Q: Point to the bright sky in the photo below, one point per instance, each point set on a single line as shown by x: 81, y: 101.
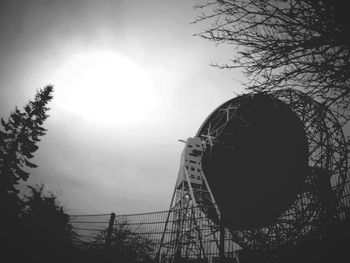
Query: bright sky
x: 130, y: 80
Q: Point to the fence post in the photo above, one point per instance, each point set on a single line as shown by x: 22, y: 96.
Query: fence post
x: 109, y: 231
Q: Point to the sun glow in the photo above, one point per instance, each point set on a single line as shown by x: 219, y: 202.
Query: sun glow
x: 106, y: 87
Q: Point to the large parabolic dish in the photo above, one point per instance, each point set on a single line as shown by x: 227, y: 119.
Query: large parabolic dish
x: 256, y: 159
x: 265, y: 177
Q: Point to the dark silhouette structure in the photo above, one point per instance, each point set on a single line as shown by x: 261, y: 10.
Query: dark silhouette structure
x: 247, y: 155
x: 265, y: 176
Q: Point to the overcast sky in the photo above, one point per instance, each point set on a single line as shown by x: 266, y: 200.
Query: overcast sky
x: 130, y: 80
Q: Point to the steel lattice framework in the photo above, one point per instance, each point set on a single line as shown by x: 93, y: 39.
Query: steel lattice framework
x: 323, y: 200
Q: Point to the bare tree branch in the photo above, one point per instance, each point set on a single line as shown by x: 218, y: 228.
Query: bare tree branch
x: 285, y: 43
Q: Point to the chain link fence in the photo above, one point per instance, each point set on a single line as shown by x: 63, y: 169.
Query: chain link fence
x: 164, y: 236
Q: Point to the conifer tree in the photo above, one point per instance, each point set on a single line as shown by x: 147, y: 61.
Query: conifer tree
x: 19, y: 136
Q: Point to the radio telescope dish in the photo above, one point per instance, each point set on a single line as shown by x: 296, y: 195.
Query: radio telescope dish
x: 266, y: 174
x: 255, y: 160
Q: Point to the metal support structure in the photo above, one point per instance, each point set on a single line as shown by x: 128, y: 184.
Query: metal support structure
x: 222, y: 241
x: 323, y: 200
x: 195, y: 235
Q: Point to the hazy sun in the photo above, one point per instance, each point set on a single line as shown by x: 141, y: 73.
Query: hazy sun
x: 106, y: 87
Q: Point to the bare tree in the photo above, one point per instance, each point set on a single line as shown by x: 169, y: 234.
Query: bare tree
x: 301, y: 44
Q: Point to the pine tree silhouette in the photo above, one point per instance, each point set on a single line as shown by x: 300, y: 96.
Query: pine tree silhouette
x: 19, y: 136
